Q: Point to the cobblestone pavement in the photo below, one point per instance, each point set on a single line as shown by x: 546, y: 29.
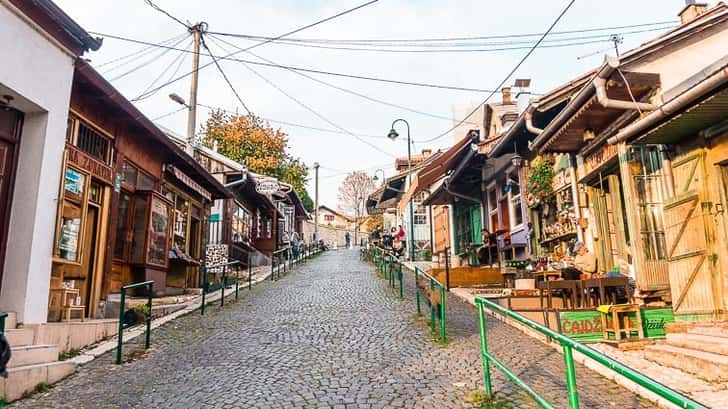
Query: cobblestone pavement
x: 329, y: 334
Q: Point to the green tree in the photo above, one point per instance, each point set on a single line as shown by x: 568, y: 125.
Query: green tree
x: 264, y: 149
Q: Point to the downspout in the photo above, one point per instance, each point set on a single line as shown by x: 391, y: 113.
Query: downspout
x: 529, y: 120
x: 669, y: 108
x: 600, y: 86
x: 446, y: 185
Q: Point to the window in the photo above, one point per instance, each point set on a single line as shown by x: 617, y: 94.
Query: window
x: 88, y: 139
x: 420, y: 213
x: 122, y: 226
x: 181, y: 221
x: 241, y: 225
x: 493, y: 209
x: 329, y: 218
x: 645, y: 165
x: 68, y: 237
x: 135, y: 178
x: 514, y: 196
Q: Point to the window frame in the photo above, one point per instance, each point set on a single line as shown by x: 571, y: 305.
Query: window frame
x: 75, y: 119
x: 513, y: 198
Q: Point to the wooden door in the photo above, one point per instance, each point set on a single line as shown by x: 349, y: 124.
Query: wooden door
x: 690, y: 238
x: 442, y: 228
x: 88, y: 261
x: 10, y: 124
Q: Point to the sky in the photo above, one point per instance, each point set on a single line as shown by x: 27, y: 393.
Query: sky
x: 339, y: 152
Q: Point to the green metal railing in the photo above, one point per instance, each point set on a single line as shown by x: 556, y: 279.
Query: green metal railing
x: 208, y: 288
x: 128, y: 318
x: 275, y: 261
x: 3, y: 316
x: 436, y: 311
x: 569, y: 346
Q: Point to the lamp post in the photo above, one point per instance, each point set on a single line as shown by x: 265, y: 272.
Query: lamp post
x: 375, y: 178
x: 316, y: 204
x: 393, y: 135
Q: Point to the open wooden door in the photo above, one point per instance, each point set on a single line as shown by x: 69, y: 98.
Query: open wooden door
x: 442, y: 228
x: 690, y: 238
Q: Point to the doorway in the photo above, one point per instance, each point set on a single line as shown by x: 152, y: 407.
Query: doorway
x: 10, y: 125
x: 607, y: 201
x: 88, y: 263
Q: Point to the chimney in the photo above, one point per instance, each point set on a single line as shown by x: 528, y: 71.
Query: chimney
x: 691, y: 11
x: 506, y: 91
x: 426, y: 153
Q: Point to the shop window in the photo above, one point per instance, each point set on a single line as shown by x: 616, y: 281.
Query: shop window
x: 159, y: 223
x: 71, y: 215
x: 241, y: 224
x: 145, y: 182
x: 645, y: 166
x: 514, y: 195
x: 122, y: 226
x: 420, y: 213
x: 181, y: 221
x: 141, y: 206
x: 134, y: 178
x: 128, y: 174
x: 88, y: 139
x: 493, y: 209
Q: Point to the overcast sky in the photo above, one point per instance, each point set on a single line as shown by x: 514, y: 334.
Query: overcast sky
x: 387, y: 19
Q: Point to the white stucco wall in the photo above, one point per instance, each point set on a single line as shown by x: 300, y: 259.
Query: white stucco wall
x: 38, y: 74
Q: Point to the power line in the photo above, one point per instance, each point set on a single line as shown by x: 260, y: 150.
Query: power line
x: 159, y: 9
x: 149, y: 61
x: 309, y: 70
x: 445, y: 39
x: 342, y: 89
x: 433, y: 48
x: 179, y: 60
x: 168, y: 114
x: 265, y: 42
x: 314, y: 112
x: 224, y: 76
x: 142, y: 51
x: 507, y: 77
x: 313, y: 128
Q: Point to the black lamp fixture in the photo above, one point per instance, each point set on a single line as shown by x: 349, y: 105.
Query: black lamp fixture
x: 516, y: 160
x: 392, y: 134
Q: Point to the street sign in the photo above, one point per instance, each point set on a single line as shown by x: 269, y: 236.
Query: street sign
x: 267, y: 187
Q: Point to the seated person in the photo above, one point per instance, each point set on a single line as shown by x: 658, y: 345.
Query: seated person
x: 583, y: 263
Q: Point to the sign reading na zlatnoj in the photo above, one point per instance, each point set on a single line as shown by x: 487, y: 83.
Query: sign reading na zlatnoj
x: 267, y: 186
x: 586, y: 326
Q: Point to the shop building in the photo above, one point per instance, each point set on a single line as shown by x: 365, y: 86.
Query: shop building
x: 131, y: 207
x: 34, y: 104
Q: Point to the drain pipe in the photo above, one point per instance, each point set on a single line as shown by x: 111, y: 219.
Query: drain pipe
x: 671, y: 107
x: 529, y: 120
x: 600, y: 85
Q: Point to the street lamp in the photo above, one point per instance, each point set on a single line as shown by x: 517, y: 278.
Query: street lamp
x: 393, y: 135
x: 375, y: 178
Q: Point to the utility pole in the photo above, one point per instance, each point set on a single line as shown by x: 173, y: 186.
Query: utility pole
x: 316, y: 203
x: 196, y: 31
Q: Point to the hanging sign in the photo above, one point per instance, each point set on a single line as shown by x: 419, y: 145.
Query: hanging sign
x: 182, y: 177
x: 267, y: 186
x: 596, y: 159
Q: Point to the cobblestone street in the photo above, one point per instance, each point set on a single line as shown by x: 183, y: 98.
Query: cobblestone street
x: 329, y: 334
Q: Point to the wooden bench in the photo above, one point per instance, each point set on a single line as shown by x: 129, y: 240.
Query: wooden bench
x: 63, y: 300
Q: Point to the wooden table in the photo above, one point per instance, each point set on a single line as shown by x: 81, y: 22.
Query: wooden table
x: 63, y: 300
x: 600, y: 286
x: 544, y: 275
x: 569, y: 290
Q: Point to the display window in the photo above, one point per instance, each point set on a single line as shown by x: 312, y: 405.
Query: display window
x: 241, y: 225
x: 186, y: 223
x: 150, y: 229
x: 71, y: 216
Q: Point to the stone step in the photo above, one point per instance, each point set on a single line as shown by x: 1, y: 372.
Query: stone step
x: 20, y: 337
x: 717, y: 331
x: 32, y: 354
x: 706, y: 343
x: 709, y: 366
x: 25, y: 378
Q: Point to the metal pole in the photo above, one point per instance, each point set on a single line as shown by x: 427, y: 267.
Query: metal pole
x: 316, y: 202
x: 192, y: 106
x: 432, y: 307
x: 150, y: 290
x: 401, y: 286
x: 411, y: 206
x: 443, y: 334
x: 223, y: 283
x: 204, y: 289
x: 121, y: 326
x: 571, y: 378
x: 484, y: 352
x: 250, y: 274
x: 417, y: 290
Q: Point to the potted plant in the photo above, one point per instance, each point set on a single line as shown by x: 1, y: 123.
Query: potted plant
x: 538, y: 188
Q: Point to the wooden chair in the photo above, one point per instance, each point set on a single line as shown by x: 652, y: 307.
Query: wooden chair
x: 62, y: 300
x: 620, y: 322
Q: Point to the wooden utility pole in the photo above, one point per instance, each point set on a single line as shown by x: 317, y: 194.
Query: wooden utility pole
x: 197, y: 31
x: 316, y: 204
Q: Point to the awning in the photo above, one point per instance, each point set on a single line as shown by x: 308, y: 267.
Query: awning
x: 178, y: 254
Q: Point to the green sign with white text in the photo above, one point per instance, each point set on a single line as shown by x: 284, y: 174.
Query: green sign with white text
x: 586, y: 326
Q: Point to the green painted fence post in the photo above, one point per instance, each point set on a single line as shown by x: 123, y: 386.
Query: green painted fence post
x: 571, y: 377
x: 120, y: 335
x: 401, y: 286
x: 432, y: 307
x: 250, y: 274
x: 204, y: 290
x: 148, y: 318
x: 223, y: 283
x: 484, y: 352
x: 417, y: 290
x: 443, y: 335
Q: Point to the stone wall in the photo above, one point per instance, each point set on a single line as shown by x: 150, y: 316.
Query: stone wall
x: 330, y: 234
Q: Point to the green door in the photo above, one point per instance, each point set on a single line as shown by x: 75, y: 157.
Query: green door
x: 476, y: 226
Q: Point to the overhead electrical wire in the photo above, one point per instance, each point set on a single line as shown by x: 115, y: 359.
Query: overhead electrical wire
x: 265, y: 42
x: 168, y: 114
x: 507, y: 77
x: 224, y: 76
x: 178, y: 60
x: 144, y: 50
x: 447, y: 39
x: 314, y: 112
x: 456, y: 48
x: 313, y: 128
x: 342, y: 89
x: 313, y: 71
x: 154, y: 58
x: 159, y: 9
